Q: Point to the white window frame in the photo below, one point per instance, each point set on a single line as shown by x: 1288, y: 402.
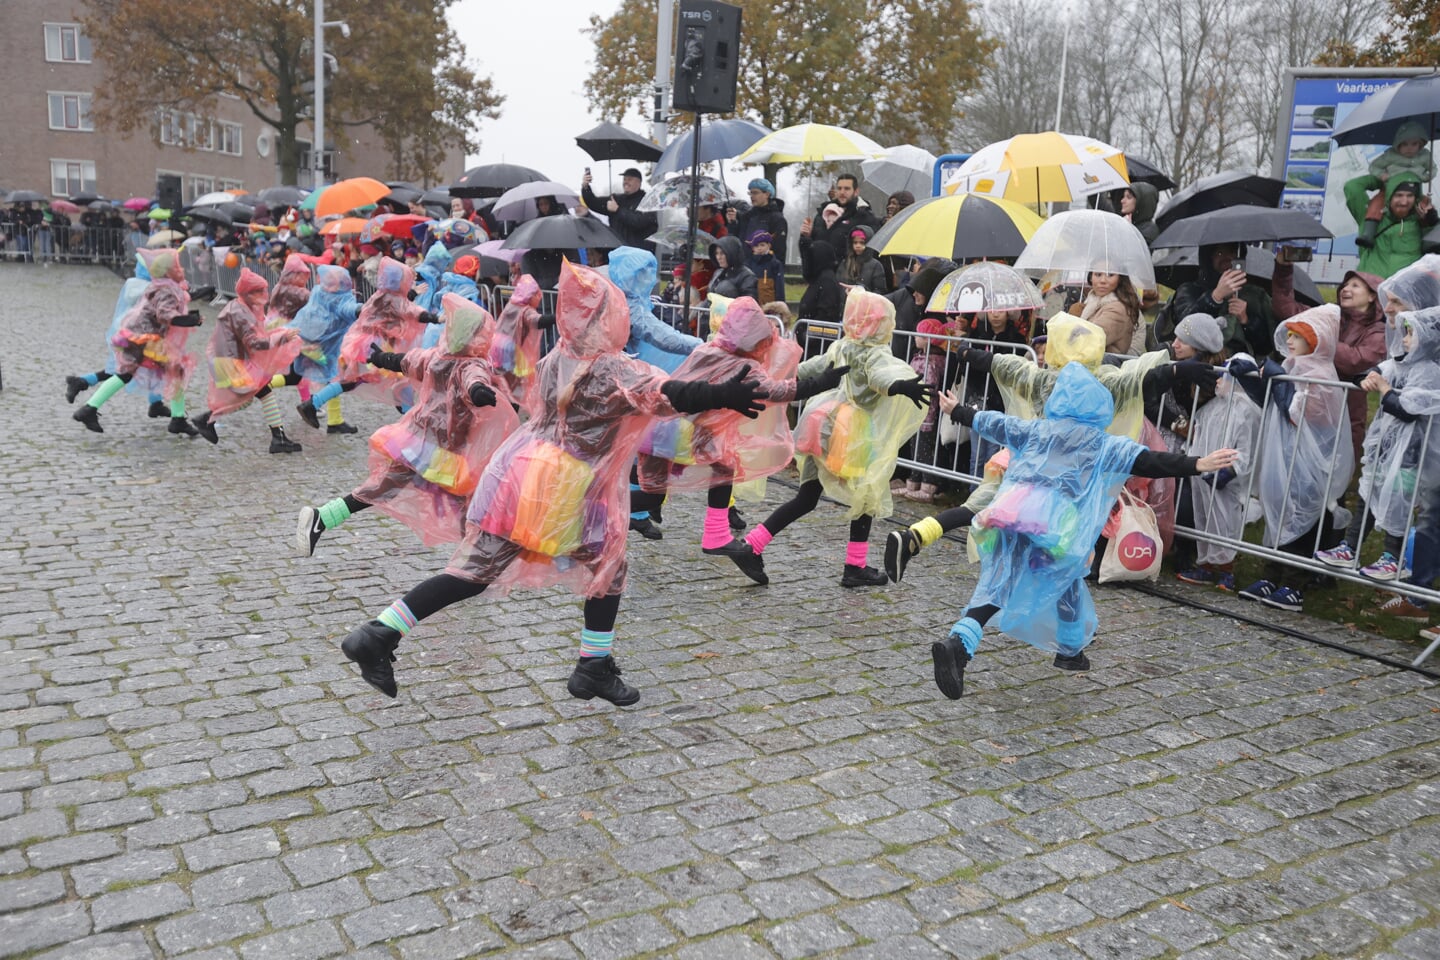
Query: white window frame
x: 81, y: 167
x: 55, y: 34
x: 172, y: 128
x: 202, y: 134
x: 233, y: 186
x: 193, y: 183
x: 83, y: 101
x: 227, y: 132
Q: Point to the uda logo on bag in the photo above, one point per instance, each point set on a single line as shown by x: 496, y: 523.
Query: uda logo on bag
x: 1137, y: 551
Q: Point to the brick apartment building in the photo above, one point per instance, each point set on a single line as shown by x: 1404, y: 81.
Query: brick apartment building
x: 49, y: 73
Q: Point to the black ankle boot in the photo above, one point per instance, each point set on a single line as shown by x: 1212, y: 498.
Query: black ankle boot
x: 180, y: 425
x: 862, y: 577
x: 750, y: 563
x: 279, y: 443
x: 74, y: 386
x: 737, y: 522
x: 307, y: 413
x: 900, y: 546
x: 647, y: 529
x: 1078, y: 663
x: 950, y: 657
x: 372, y: 646
x: 89, y: 416
x: 158, y: 409
x: 600, y: 677
x: 341, y: 428
x: 205, y: 428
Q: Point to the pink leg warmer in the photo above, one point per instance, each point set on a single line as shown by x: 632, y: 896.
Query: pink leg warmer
x: 856, y: 551
x: 717, y: 528
x: 303, y: 388
x: 759, y: 538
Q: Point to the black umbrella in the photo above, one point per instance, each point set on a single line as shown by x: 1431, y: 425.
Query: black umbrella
x: 436, y: 195
x: 282, y: 196
x: 1379, y: 117
x: 85, y: 197
x: 211, y: 215
x: 1182, y: 265
x: 1143, y: 171
x: 102, y: 206
x: 562, y: 233
x: 1227, y: 189
x: 403, y: 193
x: 236, y: 210
x: 610, y: 141
x: 1243, y: 224
x: 246, y: 200
x: 25, y: 196
x: 493, y: 179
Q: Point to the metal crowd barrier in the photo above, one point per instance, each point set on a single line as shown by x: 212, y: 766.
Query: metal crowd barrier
x: 49, y: 243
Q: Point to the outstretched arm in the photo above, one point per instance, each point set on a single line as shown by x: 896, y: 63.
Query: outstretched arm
x: 1154, y: 464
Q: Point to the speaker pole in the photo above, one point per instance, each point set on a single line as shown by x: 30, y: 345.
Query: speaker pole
x: 694, y: 213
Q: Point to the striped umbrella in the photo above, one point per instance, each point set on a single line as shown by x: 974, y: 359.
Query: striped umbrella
x: 1042, y: 167
x: 809, y: 143
x: 963, y: 226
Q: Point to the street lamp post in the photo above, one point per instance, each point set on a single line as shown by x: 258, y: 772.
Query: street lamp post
x: 317, y: 153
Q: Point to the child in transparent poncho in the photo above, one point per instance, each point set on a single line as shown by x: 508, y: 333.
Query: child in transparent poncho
x: 551, y: 505
x: 1035, y: 538
x: 130, y: 294
x: 424, y: 468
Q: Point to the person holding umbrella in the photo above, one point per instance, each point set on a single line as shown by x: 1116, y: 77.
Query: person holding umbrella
x: 1223, y: 290
x: 631, y: 225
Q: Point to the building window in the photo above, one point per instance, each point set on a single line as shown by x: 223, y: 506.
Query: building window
x: 64, y: 43
x: 233, y: 186
x: 197, y: 186
x: 202, y: 134
x: 70, y: 111
x: 229, y: 140
x: 171, y: 128
x: 69, y: 177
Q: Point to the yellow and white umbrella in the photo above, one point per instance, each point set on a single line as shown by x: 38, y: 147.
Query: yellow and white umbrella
x: 811, y: 143
x: 1042, y: 167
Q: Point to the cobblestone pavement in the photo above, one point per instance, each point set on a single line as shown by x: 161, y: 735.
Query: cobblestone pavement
x: 189, y: 768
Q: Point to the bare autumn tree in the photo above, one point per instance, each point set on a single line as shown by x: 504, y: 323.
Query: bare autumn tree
x: 401, y: 70
x: 891, y: 69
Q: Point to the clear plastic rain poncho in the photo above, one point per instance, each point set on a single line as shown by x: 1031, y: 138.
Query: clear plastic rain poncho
x: 1035, y: 539
x: 243, y: 354
x: 1308, y: 457
x: 130, y: 295
x: 424, y: 467
x: 146, y: 346
x: 290, y: 294
x: 852, y: 435
x: 635, y: 272
x: 717, y: 447
x: 323, y: 322
x: 1025, y: 386
x: 390, y: 319
x: 553, y: 505
x: 461, y: 286
x: 1230, y: 420
x: 1417, y: 287
x: 516, y: 348
x: 431, y: 272
x: 1398, y: 456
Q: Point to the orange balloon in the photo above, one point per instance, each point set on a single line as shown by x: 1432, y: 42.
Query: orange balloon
x: 232, y: 260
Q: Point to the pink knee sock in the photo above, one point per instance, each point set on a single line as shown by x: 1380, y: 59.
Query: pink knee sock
x: 717, y: 528
x: 759, y: 538
x: 856, y: 551
x: 303, y: 388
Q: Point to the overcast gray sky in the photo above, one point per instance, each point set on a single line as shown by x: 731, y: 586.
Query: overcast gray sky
x: 537, y: 57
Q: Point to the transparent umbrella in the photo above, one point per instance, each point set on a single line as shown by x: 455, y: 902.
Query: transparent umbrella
x: 675, y: 192
x: 1078, y: 241
x: 672, y: 238
x: 986, y: 285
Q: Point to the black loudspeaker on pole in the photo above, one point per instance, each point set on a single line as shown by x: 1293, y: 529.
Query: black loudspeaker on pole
x: 707, y: 65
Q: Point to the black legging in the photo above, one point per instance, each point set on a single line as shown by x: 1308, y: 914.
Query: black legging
x: 807, y: 498
x: 719, y: 497
x: 443, y: 589
x: 954, y: 518
x: 640, y: 501
x: 982, y: 613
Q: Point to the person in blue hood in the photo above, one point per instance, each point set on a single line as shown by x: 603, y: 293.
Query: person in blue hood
x: 1036, y: 537
x: 130, y: 295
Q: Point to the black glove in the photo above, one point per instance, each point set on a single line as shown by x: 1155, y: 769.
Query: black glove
x: 1196, y: 373
x: 918, y: 391
x: 1241, y: 366
x: 412, y: 294
x: 828, y: 380
x: 481, y: 395
x: 545, y: 322
x: 202, y: 293
x: 427, y: 317
x: 383, y: 360
x: 697, y: 396
x: 191, y: 319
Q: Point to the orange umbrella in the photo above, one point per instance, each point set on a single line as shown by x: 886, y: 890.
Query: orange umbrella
x: 344, y: 227
x: 346, y: 195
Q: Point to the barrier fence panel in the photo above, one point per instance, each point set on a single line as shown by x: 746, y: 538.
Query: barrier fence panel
x: 51, y: 243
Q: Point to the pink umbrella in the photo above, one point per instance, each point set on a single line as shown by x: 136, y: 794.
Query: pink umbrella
x: 64, y: 206
x: 136, y: 204
x: 493, y: 248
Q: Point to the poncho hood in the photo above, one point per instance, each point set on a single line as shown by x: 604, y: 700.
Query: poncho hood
x: 1426, y: 327
x: 746, y: 329
x: 635, y: 272
x: 333, y: 279
x: 469, y: 328
x: 869, y: 317
x: 163, y: 264
x: 1078, y: 396
x: 1072, y: 340
x: 590, y: 313
x: 527, y: 292
x: 394, y: 277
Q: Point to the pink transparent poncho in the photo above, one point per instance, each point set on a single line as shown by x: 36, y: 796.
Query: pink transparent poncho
x: 291, y: 293
x: 424, y: 467
x: 243, y: 354
x: 516, y: 347
x: 705, y: 450
x: 553, y: 505
x: 146, y: 346
x: 390, y: 319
